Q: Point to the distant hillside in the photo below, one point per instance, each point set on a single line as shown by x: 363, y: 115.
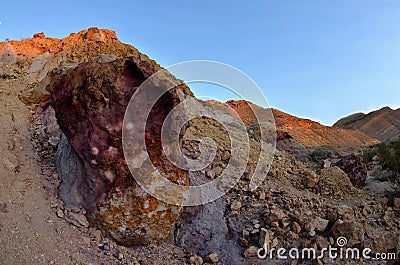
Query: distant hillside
x: 382, y: 124
x: 304, y: 131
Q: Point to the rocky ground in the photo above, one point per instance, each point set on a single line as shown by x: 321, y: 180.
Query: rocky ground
x: 308, y: 203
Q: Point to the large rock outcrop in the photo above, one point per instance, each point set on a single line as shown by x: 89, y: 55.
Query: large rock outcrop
x: 355, y: 168
x: 90, y: 102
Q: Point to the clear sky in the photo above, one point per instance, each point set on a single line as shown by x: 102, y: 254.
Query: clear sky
x: 316, y: 59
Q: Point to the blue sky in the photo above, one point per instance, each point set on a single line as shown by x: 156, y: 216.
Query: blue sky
x: 315, y: 59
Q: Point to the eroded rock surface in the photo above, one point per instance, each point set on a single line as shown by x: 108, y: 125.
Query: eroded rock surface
x: 355, y: 168
x: 90, y: 102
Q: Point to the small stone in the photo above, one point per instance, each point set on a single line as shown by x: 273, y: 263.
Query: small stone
x: 236, y: 205
x: 243, y: 242
x: 261, y: 196
x: 246, y: 234
x: 317, y: 224
x: 296, y: 227
x: 54, y: 141
x: 285, y: 224
x: 322, y: 242
x: 211, y: 174
x: 213, y: 258
x: 257, y: 226
x: 311, y: 179
x: 195, y: 260
x: 106, y: 247
x: 95, y: 234
x: 60, y: 213
x: 396, y: 203
x: 278, y: 231
x: 264, y: 239
x: 80, y: 219
x: 275, y: 224
x: 274, y: 215
x: 86, y: 240
x: 120, y: 256
x: 292, y: 236
x: 250, y: 252
x: 311, y: 233
x: 233, y: 214
x: 226, y: 155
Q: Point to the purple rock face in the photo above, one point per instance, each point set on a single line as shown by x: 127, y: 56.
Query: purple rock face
x: 355, y: 168
x: 90, y: 102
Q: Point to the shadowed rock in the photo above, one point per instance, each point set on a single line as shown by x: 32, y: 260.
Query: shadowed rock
x: 355, y: 168
x: 90, y: 102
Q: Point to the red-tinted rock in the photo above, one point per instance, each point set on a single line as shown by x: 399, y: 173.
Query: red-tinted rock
x: 355, y: 168
x: 90, y: 102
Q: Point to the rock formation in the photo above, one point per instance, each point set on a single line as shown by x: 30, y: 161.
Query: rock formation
x: 90, y: 102
x: 355, y: 168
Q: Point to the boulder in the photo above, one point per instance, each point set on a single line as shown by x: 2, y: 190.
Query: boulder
x: 317, y: 224
x: 90, y: 102
x: 355, y: 169
x: 352, y: 231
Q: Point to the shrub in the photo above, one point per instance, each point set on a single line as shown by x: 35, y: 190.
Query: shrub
x: 389, y: 155
x: 321, y: 153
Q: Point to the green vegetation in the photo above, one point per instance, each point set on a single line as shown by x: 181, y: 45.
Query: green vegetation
x: 389, y: 157
x: 321, y: 153
x: 368, y: 156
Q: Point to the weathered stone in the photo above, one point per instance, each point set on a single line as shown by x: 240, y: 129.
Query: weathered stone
x: 243, y: 242
x: 250, y: 252
x: 310, y: 179
x: 296, y: 227
x: 60, y: 213
x: 386, y: 243
x: 90, y: 102
x: 317, y: 224
x: 195, y: 260
x: 236, y: 205
x: 396, y: 204
x: 204, y: 229
x: 70, y: 172
x: 322, y: 242
x: 78, y: 219
x: 246, y: 234
x: 355, y: 168
x: 352, y: 231
x: 213, y: 258
x: 264, y: 239
x: 274, y: 215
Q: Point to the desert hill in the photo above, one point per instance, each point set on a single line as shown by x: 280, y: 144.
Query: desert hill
x: 382, y: 124
x: 305, y: 131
